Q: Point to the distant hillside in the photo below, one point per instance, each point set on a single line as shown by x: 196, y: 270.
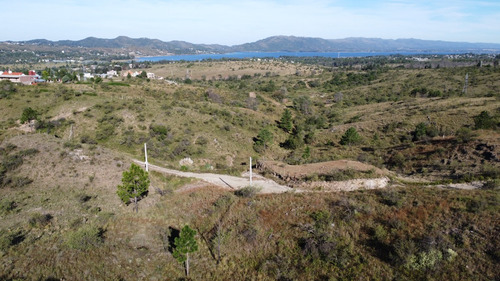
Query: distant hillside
x: 271, y: 44
x: 306, y: 44
x: 287, y: 43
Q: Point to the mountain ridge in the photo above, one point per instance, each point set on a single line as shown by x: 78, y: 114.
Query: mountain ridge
x: 280, y: 43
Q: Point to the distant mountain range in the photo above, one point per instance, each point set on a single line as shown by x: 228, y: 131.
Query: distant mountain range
x: 275, y: 44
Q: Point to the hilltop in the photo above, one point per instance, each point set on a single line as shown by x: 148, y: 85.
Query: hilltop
x: 123, y: 47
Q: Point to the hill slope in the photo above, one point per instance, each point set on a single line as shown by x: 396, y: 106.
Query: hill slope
x: 281, y: 43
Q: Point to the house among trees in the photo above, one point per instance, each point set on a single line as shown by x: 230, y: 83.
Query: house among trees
x: 19, y: 77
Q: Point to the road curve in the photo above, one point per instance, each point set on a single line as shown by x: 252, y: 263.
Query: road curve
x: 225, y: 181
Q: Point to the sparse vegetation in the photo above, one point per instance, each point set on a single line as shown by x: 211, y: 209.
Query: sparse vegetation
x: 58, y: 180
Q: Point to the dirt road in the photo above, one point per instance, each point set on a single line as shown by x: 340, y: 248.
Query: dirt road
x: 226, y: 181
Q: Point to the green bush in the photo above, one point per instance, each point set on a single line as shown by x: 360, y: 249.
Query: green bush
x: 350, y: 137
x: 85, y: 238
x: 492, y: 184
x: 28, y: 115
x: 465, y: 135
x: 484, y: 121
x: 10, y: 238
x: 7, y: 205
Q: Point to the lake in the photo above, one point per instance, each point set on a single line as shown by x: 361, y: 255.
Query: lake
x: 246, y: 55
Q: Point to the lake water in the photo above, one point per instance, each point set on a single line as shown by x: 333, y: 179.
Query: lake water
x: 245, y: 55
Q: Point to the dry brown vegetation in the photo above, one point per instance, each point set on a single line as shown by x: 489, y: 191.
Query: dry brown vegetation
x: 61, y: 217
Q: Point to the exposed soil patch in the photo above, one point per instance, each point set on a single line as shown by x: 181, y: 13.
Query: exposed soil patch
x: 299, y: 172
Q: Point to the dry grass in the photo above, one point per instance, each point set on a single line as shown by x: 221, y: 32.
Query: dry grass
x: 266, y: 237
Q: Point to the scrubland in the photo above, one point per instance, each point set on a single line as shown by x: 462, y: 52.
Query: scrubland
x: 62, y: 219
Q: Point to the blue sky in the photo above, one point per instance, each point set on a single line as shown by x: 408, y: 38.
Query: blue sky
x: 243, y: 21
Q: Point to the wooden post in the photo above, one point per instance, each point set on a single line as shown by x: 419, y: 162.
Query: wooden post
x: 146, y: 157
x: 250, y: 171
x: 71, y: 132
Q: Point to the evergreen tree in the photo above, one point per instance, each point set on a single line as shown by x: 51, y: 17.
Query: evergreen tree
x: 28, y: 115
x: 185, y: 244
x: 350, y: 137
x: 264, y: 138
x: 484, y: 121
x: 135, y: 184
x: 286, y: 121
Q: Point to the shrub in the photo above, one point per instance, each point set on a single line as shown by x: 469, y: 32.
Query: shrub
x: 484, y: 121
x: 465, y: 135
x: 224, y: 201
x: 420, y: 131
x: 28, y: 115
x: 391, y: 197
x: 247, y: 191
x: 39, y: 220
x: 82, y: 197
x: 159, y: 131
x: 350, y: 137
x: 11, y: 162
x: 19, y: 181
x: 7, y: 205
x: 201, y: 140
x: 104, y: 131
x: 424, y: 260
x: 491, y: 184
x: 85, y: 238
x: 8, y: 239
x: 87, y: 139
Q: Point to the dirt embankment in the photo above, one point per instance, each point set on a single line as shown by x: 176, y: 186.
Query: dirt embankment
x: 341, y: 175
x: 299, y: 172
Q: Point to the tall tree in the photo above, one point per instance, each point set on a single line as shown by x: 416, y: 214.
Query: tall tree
x: 185, y: 244
x: 264, y: 138
x: 28, y: 115
x: 350, y: 137
x: 286, y: 121
x: 135, y: 184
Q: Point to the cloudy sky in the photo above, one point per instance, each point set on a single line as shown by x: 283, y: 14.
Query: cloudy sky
x: 243, y: 21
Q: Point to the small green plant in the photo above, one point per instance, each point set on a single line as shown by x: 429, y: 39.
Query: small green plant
x: 247, y: 191
x: 465, y: 135
x: 85, y: 238
x: 484, y: 121
x: 6, y: 206
x: 39, y: 220
x: 10, y: 238
x: 491, y: 184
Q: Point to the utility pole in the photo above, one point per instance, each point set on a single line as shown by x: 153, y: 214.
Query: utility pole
x: 250, y: 171
x: 146, y: 156
x: 71, y: 132
x: 464, y: 91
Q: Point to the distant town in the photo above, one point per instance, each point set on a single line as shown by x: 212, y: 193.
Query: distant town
x: 84, y: 74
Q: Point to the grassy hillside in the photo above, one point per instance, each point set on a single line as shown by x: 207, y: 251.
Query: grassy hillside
x: 61, y: 216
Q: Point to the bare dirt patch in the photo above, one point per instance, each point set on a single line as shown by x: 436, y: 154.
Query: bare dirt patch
x: 296, y: 172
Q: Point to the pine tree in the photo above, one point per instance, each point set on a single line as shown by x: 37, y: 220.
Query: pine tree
x: 264, y: 138
x: 135, y: 184
x: 185, y: 244
x: 286, y: 121
x: 350, y: 137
